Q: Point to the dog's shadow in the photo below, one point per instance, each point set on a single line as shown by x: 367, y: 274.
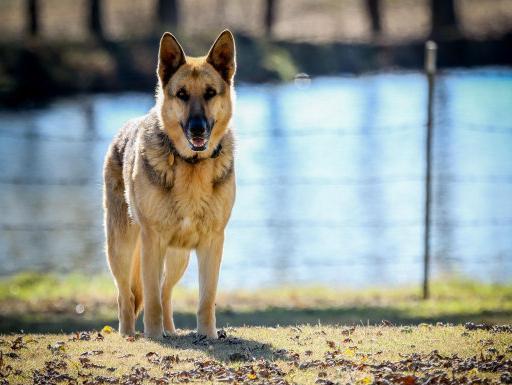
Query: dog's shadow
x: 227, y: 348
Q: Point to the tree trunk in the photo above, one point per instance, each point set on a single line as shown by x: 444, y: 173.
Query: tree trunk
x: 168, y: 13
x: 95, y: 27
x: 444, y: 19
x: 33, y: 17
x: 270, y: 15
x: 373, y: 11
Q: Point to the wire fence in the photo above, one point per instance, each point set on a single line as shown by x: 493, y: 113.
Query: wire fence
x: 272, y: 181
x: 272, y: 223
x: 388, y: 130
x: 49, y: 230
x: 311, y: 181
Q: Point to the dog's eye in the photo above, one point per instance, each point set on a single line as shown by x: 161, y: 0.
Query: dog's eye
x: 209, y: 93
x: 182, y: 94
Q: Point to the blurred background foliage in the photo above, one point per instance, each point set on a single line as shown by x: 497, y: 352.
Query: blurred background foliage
x: 55, y: 47
x: 295, y: 20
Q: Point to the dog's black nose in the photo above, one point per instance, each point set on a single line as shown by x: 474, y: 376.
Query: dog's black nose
x: 197, y: 126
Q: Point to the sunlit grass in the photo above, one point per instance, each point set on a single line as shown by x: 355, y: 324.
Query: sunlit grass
x: 30, y: 286
x: 41, y: 302
x: 292, y: 349
x: 290, y: 327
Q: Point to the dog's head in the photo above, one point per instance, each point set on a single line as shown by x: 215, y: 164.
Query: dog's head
x: 195, y: 94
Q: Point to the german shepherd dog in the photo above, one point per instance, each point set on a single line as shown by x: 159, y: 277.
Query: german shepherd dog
x: 169, y: 187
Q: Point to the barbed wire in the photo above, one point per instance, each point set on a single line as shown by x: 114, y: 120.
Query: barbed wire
x: 49, y: 227
x: 26, y: 181
x: 239, y: 133
x: 274, y: 133
x: 485, y: 128
x: 369, y: 260
x: 306, y: 181
x: 336, y: 224
x: 53, y: 137
x: 348, y: 181
x: 324, y: 131
x: 270, y: 223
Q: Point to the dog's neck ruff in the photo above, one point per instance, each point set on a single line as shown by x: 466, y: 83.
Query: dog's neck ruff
x: 167, y: 142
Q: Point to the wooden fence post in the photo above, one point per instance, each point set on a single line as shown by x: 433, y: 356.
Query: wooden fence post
x: 430, y: 70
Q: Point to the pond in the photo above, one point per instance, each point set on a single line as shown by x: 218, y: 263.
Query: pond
x: 330, y: 181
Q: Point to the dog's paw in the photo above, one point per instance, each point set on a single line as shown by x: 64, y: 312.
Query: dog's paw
x: 156, y: 335
x: 210, y: 334
x: 169, y: 333
x: 221, y: 334
x: 127, y: 332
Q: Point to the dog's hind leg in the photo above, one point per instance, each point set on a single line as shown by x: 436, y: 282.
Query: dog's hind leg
x: 136, y: 278
x: 176, y: 261
x: 120, y: 250
x: 121, y: 237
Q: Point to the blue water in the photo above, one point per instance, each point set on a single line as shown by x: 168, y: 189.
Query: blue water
x: 330, y: 181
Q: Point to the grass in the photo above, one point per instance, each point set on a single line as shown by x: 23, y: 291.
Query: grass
x: 48, y: 303
x: 287, y: 335
x: 302, y: 355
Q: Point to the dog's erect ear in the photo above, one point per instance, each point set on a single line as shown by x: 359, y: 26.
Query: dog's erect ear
x: 222, y: 56
x: 170, y: 57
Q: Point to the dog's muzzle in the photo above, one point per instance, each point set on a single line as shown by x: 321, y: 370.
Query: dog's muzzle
x: 197, y: 132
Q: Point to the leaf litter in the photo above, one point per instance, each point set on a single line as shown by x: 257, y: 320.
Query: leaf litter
x: 242, y: 367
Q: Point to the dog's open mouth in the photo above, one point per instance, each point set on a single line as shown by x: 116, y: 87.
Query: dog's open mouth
x: 198, y: 143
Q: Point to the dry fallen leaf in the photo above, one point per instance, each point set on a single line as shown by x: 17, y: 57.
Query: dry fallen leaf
x: 364, y: 381
x: 58, y: 347
x: 153, y: 357
x: 407, y: 380
x: 252, y: 376
x: 349, y: 352
x: 107, y: 329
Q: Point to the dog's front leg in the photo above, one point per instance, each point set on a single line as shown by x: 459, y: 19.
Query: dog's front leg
x: 176, y: 261
x: 209, y: 257
x: 152, y: 267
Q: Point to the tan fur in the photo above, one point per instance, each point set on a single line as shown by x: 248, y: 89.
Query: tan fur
x: 135, y: 279
x: 162, y: 199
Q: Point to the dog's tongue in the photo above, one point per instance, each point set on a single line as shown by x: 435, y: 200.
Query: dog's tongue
x: 198, y: 142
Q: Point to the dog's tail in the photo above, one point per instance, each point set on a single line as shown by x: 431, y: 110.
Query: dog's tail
x: 136, y: 278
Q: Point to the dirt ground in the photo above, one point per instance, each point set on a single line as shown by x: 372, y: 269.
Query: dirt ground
x: 317, y: 21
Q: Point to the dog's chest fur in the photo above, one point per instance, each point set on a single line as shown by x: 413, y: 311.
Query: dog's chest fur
x: 193, y: 207
x: 184, y: 202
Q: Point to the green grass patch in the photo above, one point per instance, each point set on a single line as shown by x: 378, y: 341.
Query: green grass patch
x: 49, y: 303
x: 32, y: 287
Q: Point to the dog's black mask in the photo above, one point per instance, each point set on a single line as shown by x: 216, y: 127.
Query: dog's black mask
x: 197, y: 130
